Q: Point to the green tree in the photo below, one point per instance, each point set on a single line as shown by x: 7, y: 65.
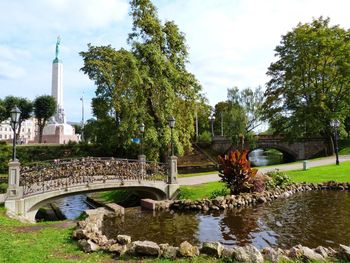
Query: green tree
x: 24, y: 105
x: 203, y: 110
x: 309, y: 83
x: 240, y: 114
x: 3, y: 115
x: 147, y: 84
x: 44, y: 109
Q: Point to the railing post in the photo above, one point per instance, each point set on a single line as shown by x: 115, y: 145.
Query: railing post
x: 142, y: 160
x: 14, y: 191
x: 172, y: 170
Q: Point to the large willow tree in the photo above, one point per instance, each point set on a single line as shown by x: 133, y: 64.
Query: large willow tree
x: 147, y: 84
x: 310, y: 82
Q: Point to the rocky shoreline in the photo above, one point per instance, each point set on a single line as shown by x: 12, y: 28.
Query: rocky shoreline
x: 90, y: 237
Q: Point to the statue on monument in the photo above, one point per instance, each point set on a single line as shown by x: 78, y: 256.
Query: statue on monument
x: 58, y: 42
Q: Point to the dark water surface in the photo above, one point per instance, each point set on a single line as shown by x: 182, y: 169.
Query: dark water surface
x: 260, y: 157
x: 72, y: 206
x: 310, y: 219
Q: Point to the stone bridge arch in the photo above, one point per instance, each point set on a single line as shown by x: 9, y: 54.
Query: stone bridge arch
x: 31, y: 204
x: 39, y: 185
x: 288, y: 154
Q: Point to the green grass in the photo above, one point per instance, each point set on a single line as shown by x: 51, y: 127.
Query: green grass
x: 345, y: 151
x: 320, y: 174
x: 196, y: 174
x: 201, y: 191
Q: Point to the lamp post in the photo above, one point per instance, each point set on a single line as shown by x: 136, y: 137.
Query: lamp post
x: 222, y: 125
x: 335, y: 124
x: 212, y: 119
x: 171, y: 121
x: 82, y: 117
x: 142, y: 131
x: 15, y: 114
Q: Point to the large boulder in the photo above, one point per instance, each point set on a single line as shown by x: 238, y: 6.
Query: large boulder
x: 344, y: 252
x: 147, y: 248
x: 187, y: 250
x: 123, y: 239
x: 212, y: 249
x: 168, y: 251
x: 87, y: 245
x: 249, y: 254
x: 227, y: 252
x: 305, y: 253
x: 274, y: 256
x: 118, y: 249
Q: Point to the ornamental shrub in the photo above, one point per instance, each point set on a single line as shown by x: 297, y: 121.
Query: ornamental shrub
x: 236, y: 173
x: 276, y: 178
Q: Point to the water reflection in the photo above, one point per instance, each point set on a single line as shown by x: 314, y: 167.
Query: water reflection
x: 166, y: 227
x: 310, y: 219
x: 72, y: 206
x: 260, y: 157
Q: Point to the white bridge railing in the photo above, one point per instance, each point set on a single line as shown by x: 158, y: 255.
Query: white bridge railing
x: 63, y: 174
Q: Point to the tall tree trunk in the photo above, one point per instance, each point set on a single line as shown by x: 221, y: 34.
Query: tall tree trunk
x: 41, y: 128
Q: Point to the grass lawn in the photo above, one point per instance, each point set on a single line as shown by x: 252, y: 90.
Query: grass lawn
x: 320, y: 174
x: 196, y: 174
x: 200, y: 191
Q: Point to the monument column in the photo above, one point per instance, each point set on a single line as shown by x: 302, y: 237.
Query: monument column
x: 57, y: 84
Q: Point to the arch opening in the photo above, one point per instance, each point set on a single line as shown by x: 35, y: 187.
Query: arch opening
x: 71, y: 205
x: 263, y: 156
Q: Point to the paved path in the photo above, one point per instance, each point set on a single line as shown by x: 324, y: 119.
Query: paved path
x: 284, y: 167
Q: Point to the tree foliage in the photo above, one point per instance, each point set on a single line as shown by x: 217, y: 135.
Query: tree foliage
x: 147, y: 84
x: 44, y: 109
x: 309, y: 83
x: 24, y: 105
x: 240, y: 114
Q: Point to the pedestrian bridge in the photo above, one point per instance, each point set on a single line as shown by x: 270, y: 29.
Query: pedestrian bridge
x: 31, y: 187
x: 301, y: 149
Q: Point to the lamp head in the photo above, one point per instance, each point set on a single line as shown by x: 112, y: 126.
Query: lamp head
x: 142, y: 127
x: 15, y: 114
x: 335, y: 123
x: 171, y: 121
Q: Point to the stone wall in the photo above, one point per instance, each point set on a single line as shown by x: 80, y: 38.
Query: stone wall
x: 90, y: 237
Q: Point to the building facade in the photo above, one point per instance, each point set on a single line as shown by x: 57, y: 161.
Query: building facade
x: 26, y: 135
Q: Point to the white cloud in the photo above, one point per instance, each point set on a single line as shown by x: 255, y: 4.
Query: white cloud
x: 231, y: 42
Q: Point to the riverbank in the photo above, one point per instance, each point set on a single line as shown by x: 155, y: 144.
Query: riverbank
x: 91, y: 237
x: 52, y: 243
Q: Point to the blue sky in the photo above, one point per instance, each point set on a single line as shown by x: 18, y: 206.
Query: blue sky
x: 231, y: 42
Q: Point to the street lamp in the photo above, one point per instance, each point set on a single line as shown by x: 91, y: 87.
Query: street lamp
x: 171, y: 121
x: 335, y: 124
x: 15, y: 113
x: 142, y: 131
x: 82, y: 117
x: 212, y: 119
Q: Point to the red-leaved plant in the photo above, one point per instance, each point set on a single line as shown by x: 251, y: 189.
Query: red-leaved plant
x: 236, y: 173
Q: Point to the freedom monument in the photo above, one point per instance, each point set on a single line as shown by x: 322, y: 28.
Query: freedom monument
x: 57, y: 130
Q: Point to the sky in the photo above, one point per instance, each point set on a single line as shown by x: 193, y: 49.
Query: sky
x: 231, y: 42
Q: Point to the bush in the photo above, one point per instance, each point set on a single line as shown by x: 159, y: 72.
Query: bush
x: 219, y: 192
x: 204, y: 137
x: 236, y: 173
x: 276, y: 178
x: 5, y: 156
x: 3, y: 187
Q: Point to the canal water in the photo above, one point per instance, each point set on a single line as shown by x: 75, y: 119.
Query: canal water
x: 73, y: 206
x: 260, y: 157
x: 309, y: 218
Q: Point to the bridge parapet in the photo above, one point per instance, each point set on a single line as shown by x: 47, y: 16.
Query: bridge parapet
x: 63, y: 174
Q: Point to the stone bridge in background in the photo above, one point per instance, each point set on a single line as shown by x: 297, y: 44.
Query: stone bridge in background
x: 301, y: 149
x: 32, y: 187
